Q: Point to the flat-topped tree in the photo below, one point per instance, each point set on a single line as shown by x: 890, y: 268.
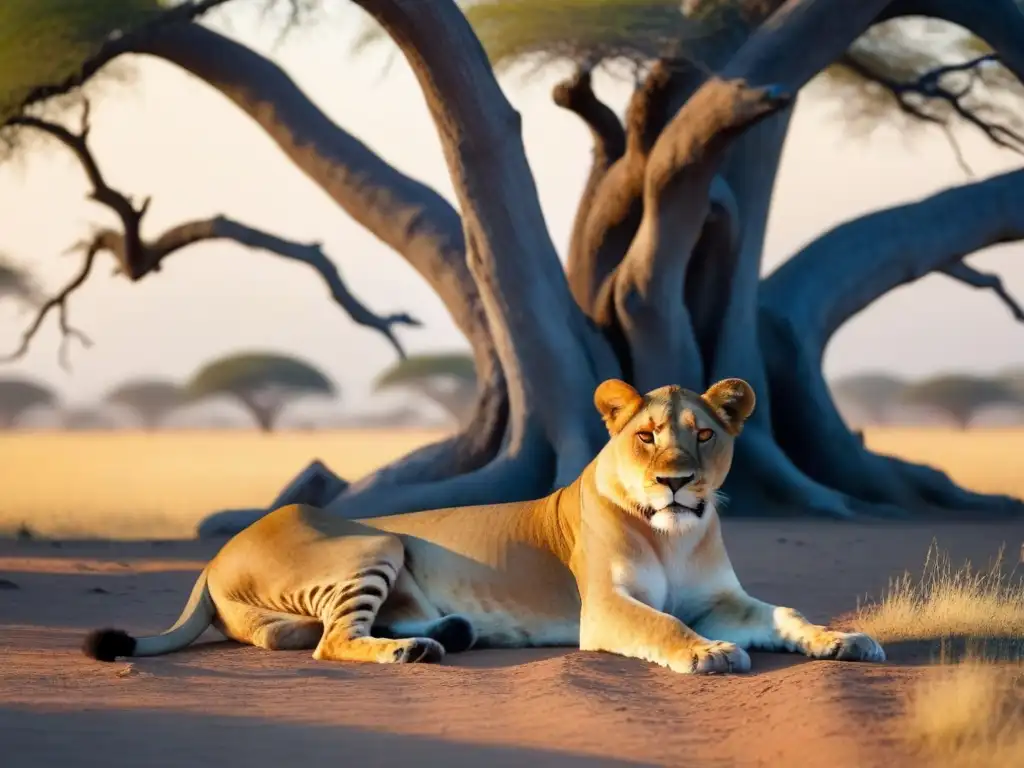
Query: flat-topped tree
x: 19, y: 395
x: 447, y: 379
x: 959, y: 396
x: 151, y: 400
x: 262, y: 382
x: 663, y: 282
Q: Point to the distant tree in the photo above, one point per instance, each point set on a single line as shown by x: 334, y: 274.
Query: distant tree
x: 871, y: 393
x: 150, y: 399
x: 85, y: 418
x: 449, y: 379
x: 960, y: 396
x: 263, y: 382
x: 1014, y: 379
x: 19, y: 395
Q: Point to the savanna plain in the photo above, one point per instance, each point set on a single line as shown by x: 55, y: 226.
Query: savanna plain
x: 98, y: 530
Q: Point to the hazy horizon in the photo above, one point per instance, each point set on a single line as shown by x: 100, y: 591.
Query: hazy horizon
x: 170, y: 136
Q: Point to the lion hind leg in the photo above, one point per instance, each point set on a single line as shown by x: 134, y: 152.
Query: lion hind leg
x: 264, y: 628
x: 348, y: 618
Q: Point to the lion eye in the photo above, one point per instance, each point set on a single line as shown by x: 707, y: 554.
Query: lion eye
x: 646, y: 437
x: 705, y: 434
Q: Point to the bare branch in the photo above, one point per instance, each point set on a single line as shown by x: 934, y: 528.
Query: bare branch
x: 983, y: 280
x: 930, y: 86
x: 136, y: 257
x: 60, y: 303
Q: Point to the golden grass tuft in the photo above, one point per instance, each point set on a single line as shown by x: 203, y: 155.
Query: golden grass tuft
x: 972, y: 716
x: 948, y: 603
x: 969, y: 711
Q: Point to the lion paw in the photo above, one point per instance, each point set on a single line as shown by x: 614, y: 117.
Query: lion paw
x: 714, y: 657
x: 850, y: 646
x: 422, y: 650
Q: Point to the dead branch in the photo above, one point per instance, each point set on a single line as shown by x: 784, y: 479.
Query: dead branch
x: 912, y: 97
x: 60, y: 303
x: 976, y: 279
x: 137, y: 257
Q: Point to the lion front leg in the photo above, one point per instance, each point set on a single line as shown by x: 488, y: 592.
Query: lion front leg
x: 618, y: 623
x: 751, y: 623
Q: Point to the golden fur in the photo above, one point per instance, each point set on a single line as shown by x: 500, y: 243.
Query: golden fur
x: 627, y: 559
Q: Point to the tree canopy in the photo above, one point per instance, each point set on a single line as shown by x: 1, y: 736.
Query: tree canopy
x: 150, y: 399
x: 18, y: 395
x: 263, y: 382
x: 663, y: 280
x: 960, y: 396
x: 448, y: 379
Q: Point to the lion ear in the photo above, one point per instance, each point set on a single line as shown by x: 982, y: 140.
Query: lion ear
x: 733, y: 401
x: 617, y: 402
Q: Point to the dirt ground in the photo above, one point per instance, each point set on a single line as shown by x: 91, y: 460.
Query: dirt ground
x: 220, y: 703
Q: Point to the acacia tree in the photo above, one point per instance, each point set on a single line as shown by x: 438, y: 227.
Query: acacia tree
x: 663, y: 281
x: 19, y: 395
x: 151, y: 400
x: 448, y: 379
x: 960, y: 396
x: 264, y: 383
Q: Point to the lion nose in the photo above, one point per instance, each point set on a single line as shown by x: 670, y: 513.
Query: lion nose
x: 675, y: 483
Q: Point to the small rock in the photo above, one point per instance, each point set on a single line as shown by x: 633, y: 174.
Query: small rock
x: 8, y: 584
x: 98, y: 591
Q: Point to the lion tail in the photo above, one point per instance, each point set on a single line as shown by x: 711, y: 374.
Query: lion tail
x: 198, y: 614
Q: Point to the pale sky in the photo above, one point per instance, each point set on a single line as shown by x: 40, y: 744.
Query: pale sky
x: 172, y: 137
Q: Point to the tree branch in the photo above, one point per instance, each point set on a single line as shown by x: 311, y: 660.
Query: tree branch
x: 60, y: 303
x: 976, y: 279
x: 137, y: 257
x: 576, y: 95
x: 612, y: 216
x: 930, y: 86
x: 511, y: 255
x: 1000, y: 23
x: 846, y: 269
x: 648, y: 286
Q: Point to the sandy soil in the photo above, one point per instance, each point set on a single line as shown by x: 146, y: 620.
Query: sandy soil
x: 220, y: 703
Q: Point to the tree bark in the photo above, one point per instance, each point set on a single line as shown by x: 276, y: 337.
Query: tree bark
x: 806, y: 300
x: 650, y: 282
x: 610, y: 219
x: 609, y: 144
x: 510, y: 251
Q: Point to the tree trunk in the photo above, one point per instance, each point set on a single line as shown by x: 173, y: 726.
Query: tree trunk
x: 806, y: 300
x: 666, y: 253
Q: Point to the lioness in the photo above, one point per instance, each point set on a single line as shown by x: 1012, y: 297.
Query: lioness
x: 627, y: 559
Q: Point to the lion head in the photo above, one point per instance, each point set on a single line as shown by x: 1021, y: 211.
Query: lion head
x: 670, y: 450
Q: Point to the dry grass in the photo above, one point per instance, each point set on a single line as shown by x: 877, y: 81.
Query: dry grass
x: 972, y: 716
x: 137, y: 485
x: 945, y: 603
x: 133, y: 485
x: 969, y: 713
x: 983, y: 459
